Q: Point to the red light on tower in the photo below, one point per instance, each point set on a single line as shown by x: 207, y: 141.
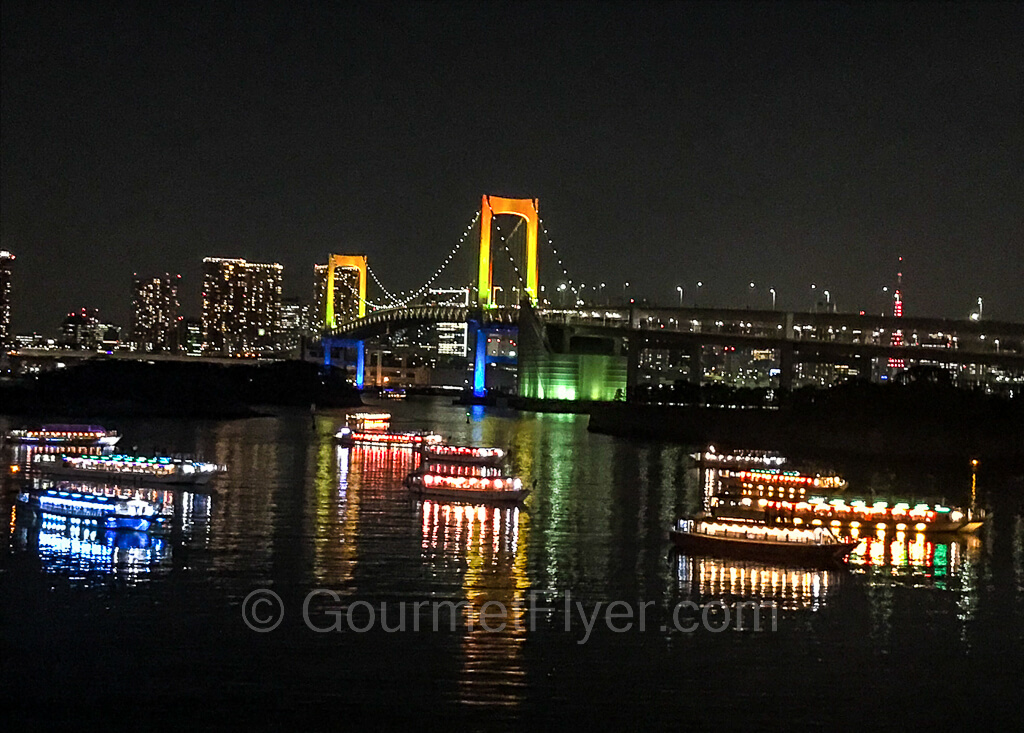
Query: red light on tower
x: 897, y: 312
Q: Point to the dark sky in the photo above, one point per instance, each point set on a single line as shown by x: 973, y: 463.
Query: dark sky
x: 783, y: 144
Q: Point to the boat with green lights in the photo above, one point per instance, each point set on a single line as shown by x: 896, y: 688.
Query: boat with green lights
x: 135, y: 469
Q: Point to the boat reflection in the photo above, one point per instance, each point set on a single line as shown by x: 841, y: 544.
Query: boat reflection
x: 487, y: 545
x: 791, y: 589
x: 915, y: 559
x: 81, y: 550
x: 73, y: 538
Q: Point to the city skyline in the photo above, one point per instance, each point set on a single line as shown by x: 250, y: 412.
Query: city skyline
x: 780, y: 145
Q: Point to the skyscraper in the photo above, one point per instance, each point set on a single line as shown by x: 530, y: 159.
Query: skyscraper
x: 241, y: 301
x: 347, y: 302
x: 897, y: 312
x: 6, y: 261
x: 155, y: 312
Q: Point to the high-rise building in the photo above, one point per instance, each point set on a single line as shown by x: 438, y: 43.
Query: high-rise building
x: 339, y: 290
x: 292, y: 323
x: 241, y: 302
x: 452, y: 338
x: 82, y: 330
x: 155, y: 312
x: 6, y: 262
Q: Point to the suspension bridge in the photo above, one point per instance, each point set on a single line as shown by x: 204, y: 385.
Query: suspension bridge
x: 573, y: 350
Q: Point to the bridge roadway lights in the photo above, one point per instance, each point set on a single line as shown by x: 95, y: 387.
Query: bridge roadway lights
x: 480, y: 357
x: 330, y: 344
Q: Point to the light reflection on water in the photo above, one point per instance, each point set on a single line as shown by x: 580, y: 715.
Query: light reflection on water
x: 297, y: 511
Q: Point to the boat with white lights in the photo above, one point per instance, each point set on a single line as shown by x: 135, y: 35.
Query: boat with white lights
x: 134, y: 515
x: 135, y: 469
x: 466, y: 488
x: 859, y: 514
x: 463, y: 454
x: 79, y: 435
x: 715, y: 458
x: 813, y: 547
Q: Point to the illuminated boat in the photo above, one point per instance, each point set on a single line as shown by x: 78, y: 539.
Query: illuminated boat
x: 466, y: 488
x: 820, y: 511
x: 775, y: 484
x: 133, y: 515
x: 385, y: 439
x: 463, y: 454
x: 393, y: 393
x: 135, y: 469
x: 368, y: 420
x: 812, y: 547
x: 89, y: 435
x: 713, y: 458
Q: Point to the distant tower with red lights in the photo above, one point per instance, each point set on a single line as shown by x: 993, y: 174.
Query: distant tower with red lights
x: 897, y: 312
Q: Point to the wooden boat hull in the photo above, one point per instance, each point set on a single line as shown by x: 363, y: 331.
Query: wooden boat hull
x: 475, y: 496
x: 808, y: 554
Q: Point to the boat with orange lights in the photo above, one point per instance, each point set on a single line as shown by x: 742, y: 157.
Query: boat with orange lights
x: 714, y: 458
x: 348, y: 437
x: 816, y: 547
x: 466, y: 488
x: 463, y: 454
x: 65, y: 435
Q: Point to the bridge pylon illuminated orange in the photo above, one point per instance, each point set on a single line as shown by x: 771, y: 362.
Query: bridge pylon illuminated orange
x: 525, y: 208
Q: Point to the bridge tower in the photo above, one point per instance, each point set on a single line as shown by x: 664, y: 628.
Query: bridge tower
x: 340, y: 288
x: 524, y: 208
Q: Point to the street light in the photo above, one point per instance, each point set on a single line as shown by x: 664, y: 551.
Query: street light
x: 600, y: 293
x: 700, y: 284
x: 679, y: 288
x: 561, y: 289
x: 981, y: 310
x: 624, y: 288
x: 772, y: 291
x: 828, y: 301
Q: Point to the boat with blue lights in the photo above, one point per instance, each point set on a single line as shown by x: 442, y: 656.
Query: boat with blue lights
x: 816, y: 547
x: 134, y: 469
x: 112, y: 513
x: 463, y: 454
x: 78, y: 435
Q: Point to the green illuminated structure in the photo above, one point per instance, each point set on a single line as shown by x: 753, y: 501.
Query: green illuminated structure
x: 558, y: 363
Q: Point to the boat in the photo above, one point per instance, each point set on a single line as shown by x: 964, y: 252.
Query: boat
x: 774, y: 484
x: 394, y: 393
x: 368, y: 420
x: 817, y: 547
x: 134, y: 515
x: 81, y: 435
x: 467, y: 488
x: 818, y: 511
x: 463, y: 454
x: 385, y: 438
x: 135, y: 469
x: 714, y: 458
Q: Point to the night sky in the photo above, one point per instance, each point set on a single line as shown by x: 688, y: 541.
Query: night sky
x: 780, y: 144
